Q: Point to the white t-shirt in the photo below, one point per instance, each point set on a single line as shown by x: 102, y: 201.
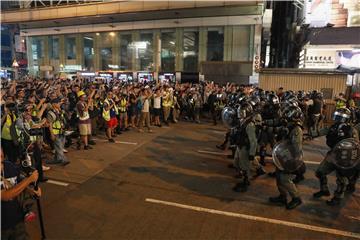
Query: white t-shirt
x: 146, y: 106
x: 157, y: 102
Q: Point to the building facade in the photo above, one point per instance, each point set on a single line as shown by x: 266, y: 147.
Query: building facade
x: 141, y: 36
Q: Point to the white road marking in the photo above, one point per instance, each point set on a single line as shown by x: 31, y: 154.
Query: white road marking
x: 210, y: 152
x: 120, y: 142
x: 218, y: 132
x: 58, y: 183
x: 259, y: 219
x: 356, y: 218
x: 312, y: 162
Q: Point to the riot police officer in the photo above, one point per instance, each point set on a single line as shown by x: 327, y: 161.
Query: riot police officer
x: 247, y: 142
x: 271, y: 120
x: 339, y: 131
x: 287, y: 157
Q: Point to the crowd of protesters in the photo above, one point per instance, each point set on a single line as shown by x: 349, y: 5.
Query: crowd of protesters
x: 69, y: 112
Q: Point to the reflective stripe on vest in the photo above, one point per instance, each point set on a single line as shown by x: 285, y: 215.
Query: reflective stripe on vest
x: 122, y: 106
x: 106, y: 115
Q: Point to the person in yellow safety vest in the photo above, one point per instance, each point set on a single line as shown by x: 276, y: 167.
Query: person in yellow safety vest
x: 8, y: 118
x: 109, y: 114
x: 123, y: 118
x: 166, y: 103
x: 56, y: 120
x: 82, y: 108
x: 35, y: 107
x: 340, y: 101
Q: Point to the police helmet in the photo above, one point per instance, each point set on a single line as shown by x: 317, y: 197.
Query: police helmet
x: 244, y: 110
x: 342, y: 115
x: 293, y: 114
x: 273, y: 99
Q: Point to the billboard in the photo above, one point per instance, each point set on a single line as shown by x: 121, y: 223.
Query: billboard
x: 348, y: 58
x: 317, y: 12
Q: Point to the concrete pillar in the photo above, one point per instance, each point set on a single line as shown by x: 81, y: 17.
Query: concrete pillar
x: 116, y: 49
x: 97, y: 40
x: 79, y: 49
x: 135, y: 58
x: 62, y: 50
x: 251, y: 43
x: 202, y: 44
x: 30, y: 56
x: 157, y: 50
x: 46, y: 60
x: 228, y: 40
x: 179, y: 55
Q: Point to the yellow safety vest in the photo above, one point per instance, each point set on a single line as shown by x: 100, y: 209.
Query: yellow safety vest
x: 115, y: 107
x: 340, y: 104
x: 57, y: 126
x: 122, y: 106
x: 5, y: 132
x: 167, y: 100
x: 34, y: 111
x: 106, y: 115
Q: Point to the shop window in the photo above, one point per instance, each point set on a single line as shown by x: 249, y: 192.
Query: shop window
x: 88, y: 51
x: 70, y: 43
x: 191, y: 50
x: 168, y: 51
x: 145, y: 52
x: 126, y: 52
x: 215, y: 44
x: 54, y: 47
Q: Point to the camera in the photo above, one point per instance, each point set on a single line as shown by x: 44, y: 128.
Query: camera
x: 36, y: 131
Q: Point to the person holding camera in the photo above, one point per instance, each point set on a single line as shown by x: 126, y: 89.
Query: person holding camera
x: 35, y: 129
x: 12, y: 213
x: 9, y: 136
x: 56, y: 119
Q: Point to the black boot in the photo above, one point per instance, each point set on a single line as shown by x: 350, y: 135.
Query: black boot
x: 272, y: 174
x: 294, y: 203
x: 350, y: 188
x: 262, y: 161
x: 321, y: 193
x: 243, y: 186
x: 280, y: 200
x: 221, y: 147
x: 260, y: 171
x: 335, y: 201
x: 298, y: 178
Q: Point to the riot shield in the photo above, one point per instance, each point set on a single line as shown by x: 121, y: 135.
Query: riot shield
x: 286, y: 157
x: 345, y: 154
x: 228, y: 116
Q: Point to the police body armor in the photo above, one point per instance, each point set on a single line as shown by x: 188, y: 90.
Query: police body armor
x: 338, y: 132
x: 240, y: 137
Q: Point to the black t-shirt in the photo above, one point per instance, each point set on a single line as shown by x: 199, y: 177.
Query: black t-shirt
x: 11, y: 211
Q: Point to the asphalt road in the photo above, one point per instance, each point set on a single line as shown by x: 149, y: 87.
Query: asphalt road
x: 174, y: 184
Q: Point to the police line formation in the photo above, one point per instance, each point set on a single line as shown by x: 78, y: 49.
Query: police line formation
x: 52, y: 112
x: 260, y: 120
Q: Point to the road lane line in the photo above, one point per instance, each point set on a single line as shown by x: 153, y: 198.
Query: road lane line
x: 210, y: 152
x: 64, y: 184
x: 312, y: 162
x: 259, y: 219
x: 120, y: 142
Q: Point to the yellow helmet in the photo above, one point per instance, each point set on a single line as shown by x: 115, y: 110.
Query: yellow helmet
x: 80, y: 93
